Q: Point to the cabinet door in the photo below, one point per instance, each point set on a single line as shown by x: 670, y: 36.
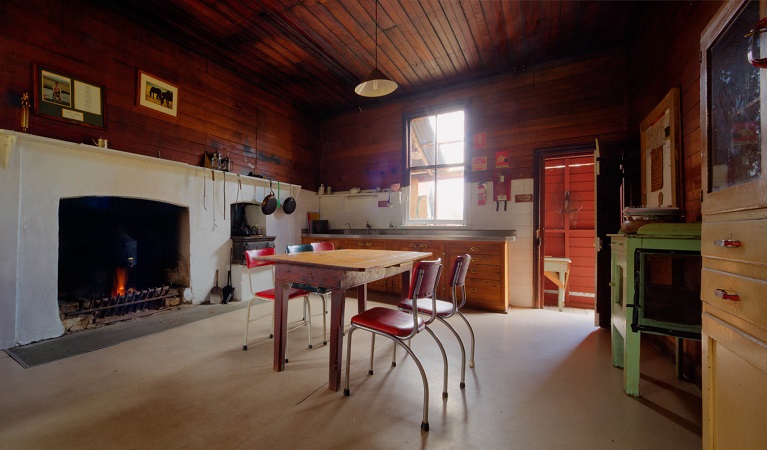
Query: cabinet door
x: 734, y: 387
x: 732, y: 105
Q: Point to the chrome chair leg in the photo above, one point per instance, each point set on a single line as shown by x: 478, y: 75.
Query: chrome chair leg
x: 308, y: 323
x: 471, y: 330
x: 247, y: 325
x: 348, y: 357
x: 444, y: 360
x: 463, y: 351
x: 372, y: 352
x: 347, y: 393
x: 324, y: 321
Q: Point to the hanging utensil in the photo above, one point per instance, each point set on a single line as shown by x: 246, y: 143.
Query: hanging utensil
x: 289, y: 206
x: 225, y: 205
x: 213, y: 190
x: 204, y: 190
x: 239, y: 190
x: 269, y: 205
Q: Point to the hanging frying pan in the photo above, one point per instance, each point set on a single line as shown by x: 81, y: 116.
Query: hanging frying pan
x: 269, y: 205
x: 289, y: 205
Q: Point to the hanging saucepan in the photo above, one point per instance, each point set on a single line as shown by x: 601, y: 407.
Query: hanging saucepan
x: 269, y: 205
x: 289, y: 205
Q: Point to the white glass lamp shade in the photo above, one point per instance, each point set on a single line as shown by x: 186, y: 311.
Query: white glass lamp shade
x: 375, y: 85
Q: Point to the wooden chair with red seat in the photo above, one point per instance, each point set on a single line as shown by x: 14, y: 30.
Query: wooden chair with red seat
x: 324, y: 293
x: 443, y: 309
x: 268, y: 295
x: 401, y: 326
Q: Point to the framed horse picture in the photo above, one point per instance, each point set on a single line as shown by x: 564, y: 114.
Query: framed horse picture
x: 157, y: 94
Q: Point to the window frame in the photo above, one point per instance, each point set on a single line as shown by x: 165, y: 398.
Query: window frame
x: 407, y: 118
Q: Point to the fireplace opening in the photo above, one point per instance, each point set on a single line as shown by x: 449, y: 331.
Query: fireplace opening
x: 119, y: 257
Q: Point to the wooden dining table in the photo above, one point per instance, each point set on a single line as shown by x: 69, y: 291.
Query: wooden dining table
x: 337, y: 270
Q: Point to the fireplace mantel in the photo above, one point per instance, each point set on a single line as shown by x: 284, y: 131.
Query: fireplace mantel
x: 36, y: 172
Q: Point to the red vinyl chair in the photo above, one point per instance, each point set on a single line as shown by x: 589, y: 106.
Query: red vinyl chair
x: 401, y: 326
x: 443, y: 310
x: 268, y: 295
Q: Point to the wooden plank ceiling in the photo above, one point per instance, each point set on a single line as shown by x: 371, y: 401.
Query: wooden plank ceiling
x: 314, y: 52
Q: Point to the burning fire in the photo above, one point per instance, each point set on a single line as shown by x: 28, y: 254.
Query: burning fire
x: 120, y: 279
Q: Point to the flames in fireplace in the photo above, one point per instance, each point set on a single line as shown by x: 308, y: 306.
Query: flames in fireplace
x: 120, y: 280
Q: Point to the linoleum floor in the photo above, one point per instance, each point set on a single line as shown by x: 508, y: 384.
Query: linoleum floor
x: 543, y: 380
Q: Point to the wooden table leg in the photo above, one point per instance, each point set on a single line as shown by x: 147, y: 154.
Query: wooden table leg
x: 337, y: 303
x: 405, y: 284
x: 362, y: 297
x: 281, y: 291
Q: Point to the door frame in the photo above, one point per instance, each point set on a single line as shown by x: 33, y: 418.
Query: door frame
x: 539, y: 166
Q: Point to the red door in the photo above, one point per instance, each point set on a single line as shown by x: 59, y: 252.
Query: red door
x: 569, y: 226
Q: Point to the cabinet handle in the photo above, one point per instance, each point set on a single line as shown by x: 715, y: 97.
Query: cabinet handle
x: 411, y: 246
x: 611, y: 284
x: 473, y: 290
x: 473, y: 271
x: 473, y: 249
x: 727, y: 295
x: 421, y: 245
x: 360, y: 244
x: 727, y: 243
x: 475, y: 260
x: 368, y: 244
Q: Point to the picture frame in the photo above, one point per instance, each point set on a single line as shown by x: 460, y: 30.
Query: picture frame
x: 69, y: 99
x: 660, y: 137
x: 157, y: 94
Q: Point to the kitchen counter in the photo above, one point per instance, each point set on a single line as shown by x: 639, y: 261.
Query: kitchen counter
x: 438, y: 235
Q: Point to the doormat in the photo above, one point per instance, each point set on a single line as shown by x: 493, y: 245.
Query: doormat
x: 42, y: 352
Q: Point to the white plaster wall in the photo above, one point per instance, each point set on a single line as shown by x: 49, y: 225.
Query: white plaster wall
x: 41, y: 171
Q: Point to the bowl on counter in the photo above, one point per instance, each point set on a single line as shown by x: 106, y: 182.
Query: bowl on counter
x: 354, y: 190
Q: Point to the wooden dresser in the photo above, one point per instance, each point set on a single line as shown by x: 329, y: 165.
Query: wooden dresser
x: 733, y: 243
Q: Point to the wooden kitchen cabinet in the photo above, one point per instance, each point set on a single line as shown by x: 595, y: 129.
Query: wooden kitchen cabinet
x: 487, y: 283
x: 733, y: 244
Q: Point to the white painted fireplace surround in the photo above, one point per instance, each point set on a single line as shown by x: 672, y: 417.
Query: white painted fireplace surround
x: 36, y: 172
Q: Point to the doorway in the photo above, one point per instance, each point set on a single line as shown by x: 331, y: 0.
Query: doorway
x: 567, y: 230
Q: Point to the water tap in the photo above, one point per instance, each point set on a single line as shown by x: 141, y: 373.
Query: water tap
x: 367, y: 225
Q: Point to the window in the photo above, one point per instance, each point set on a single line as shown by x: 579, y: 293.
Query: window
x: 435, y: 168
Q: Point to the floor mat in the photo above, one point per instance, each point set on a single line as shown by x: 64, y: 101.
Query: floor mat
x: 87, y: 341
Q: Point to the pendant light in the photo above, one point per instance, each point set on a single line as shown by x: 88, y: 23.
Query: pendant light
x: 376, y: 84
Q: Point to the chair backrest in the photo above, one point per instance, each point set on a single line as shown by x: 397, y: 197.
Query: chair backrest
x: 460, y: 269
x: 299, y: 248
x: 322, y: 246
x: 251, y: 255
x: 427, y: 272
x: 458, y: 279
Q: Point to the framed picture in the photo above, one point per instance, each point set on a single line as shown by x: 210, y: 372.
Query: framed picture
x: 157, y: 94
x: 660, y: 144
x: 70, y: 99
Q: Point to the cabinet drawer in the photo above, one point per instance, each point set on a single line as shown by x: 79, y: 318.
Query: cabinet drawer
x: 748, y: 234
x: 752, y: 304
x: 473, y: 248
x: 477, y: 288
x: 483, y: 271
x: 478, y: 259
